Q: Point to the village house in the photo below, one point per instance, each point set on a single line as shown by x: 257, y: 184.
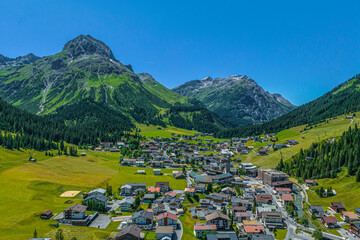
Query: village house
x: 337, y: 207
x: 310, y: 182
x: 190, y: 191
x: 76, y: 215
x: 128, y: 162
x: 164, y: 186
x: 153, y: 189
x: 283, y: 190
x: 200, y: 188
x: 355, y: 228
x: 220, y: 220
x: 287, y: 198
x: 100, y: 199
x: 241, y: 216
x: 201, y: 229
x: 46, y: 214
x: 329, y: 222
x: 174, y: 203
x: 143, y: 219
x: 164, y: 232
x: 179, y: 175
x: 167, y: 219
x: 316, y: 210
x: 131, y: 188
x: 349, y: 216
x: 158, y: 208
x: 127, y: 203
x: 131, y: 232
x: 150, y: 197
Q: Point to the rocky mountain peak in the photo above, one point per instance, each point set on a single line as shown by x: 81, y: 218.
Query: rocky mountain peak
x: 85, y: 45
x: 208, y: 78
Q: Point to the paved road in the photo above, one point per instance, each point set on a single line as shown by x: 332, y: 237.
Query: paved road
x: 179, y: 232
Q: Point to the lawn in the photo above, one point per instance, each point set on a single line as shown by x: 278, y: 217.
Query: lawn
x: 31, y: 188
x: 334, y: 128
x: 188, y: 223
x: 280, y: 234
x: 348, y: 192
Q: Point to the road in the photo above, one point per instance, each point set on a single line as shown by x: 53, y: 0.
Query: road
x: 179, y: 232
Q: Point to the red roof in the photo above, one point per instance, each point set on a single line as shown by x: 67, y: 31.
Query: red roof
x: 329, y: 219
x: 283, y: 189
x: 171, y: 194
x: 253, y: 229
x: 204, y: 227
x: 168, y: 215
x: 287, y: 197
x: 153, y: 189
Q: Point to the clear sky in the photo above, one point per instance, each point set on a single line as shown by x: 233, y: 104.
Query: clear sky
x: 300, y: 49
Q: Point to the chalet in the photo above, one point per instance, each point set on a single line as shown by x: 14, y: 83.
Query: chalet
x: 127, y: 203
x: 235, y: 209
x: 46, y: 214
x: 106, y: 144
x: 157, y: 172
x: 310, y: 182
x: 179, y: 175
x: 164, y: 186
x: 158, y: 208
x: 292, y: 142
x: 167, y: 219
x: 174, y: 203
x: 338, y: 207
x: 253, y: 229
x: 223, y: 178
x: 241, y: 216
x: 190, y: 190
x: 101, y: 199
x: 97, y: 192
x: 220, y: 220
x: 128, y: 162
x: 329, y: 222
x: 148, y: 198
x: 131, y: 188
x: 349, y: 216
x: 357, y: 211
x: 201, y: 229
x: 206, y: 203
x: 316, y: 210
x: 355, y: 228
x: 140, y: 163
x: 153, y: 189
x: 170, y: 194
x: 164, y: 232
x: 200, y: 188
x: 143, y: 219
x: 141, y: 172
x: 76, y: 215
x: 131, y: 232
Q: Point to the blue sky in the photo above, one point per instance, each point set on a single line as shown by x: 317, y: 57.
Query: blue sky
x: 300, y: 49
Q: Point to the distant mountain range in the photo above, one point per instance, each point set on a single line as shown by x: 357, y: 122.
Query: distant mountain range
x: 85, y: 82
x: 12, y: 62
x: 237, y: 98
x: 343, y: 99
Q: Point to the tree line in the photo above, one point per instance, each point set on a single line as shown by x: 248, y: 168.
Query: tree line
x: 327, y: 158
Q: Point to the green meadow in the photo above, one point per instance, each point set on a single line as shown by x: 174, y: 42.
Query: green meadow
x: 333, y: 128
x: 27, y: 189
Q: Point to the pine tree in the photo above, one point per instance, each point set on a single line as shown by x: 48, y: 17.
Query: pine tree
x: 35, y: 234
x: 358, y: 175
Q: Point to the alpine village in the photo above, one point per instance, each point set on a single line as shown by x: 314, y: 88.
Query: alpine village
x: 92, y: 150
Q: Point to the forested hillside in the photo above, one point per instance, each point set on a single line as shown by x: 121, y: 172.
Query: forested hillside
x: 26, y: 130
x: 344, y: 99
x: 326, y: 159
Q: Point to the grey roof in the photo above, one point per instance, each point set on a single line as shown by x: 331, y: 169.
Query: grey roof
x: 222, y: 236
x: 144, y: 214
x: 129, y: 200
x: 100, y: 198
x: 77, y: 208
x: 262, y: 237
x: 149, y: 195
x: 132, y: 230
x: 164, y: 229
x: 99, y: 190
x: 316, y: 208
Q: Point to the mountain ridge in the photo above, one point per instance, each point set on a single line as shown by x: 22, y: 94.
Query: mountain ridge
x: 237, y: 98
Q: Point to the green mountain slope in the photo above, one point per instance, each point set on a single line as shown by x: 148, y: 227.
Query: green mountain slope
x: 86, y: 71
x: 237, y: 98
x: 343, y: 99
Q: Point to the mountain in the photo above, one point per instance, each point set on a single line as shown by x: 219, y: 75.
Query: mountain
x: 237, y: 98
x: 11, y: 62
x: 343, y: 99
x: 86, y: 74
